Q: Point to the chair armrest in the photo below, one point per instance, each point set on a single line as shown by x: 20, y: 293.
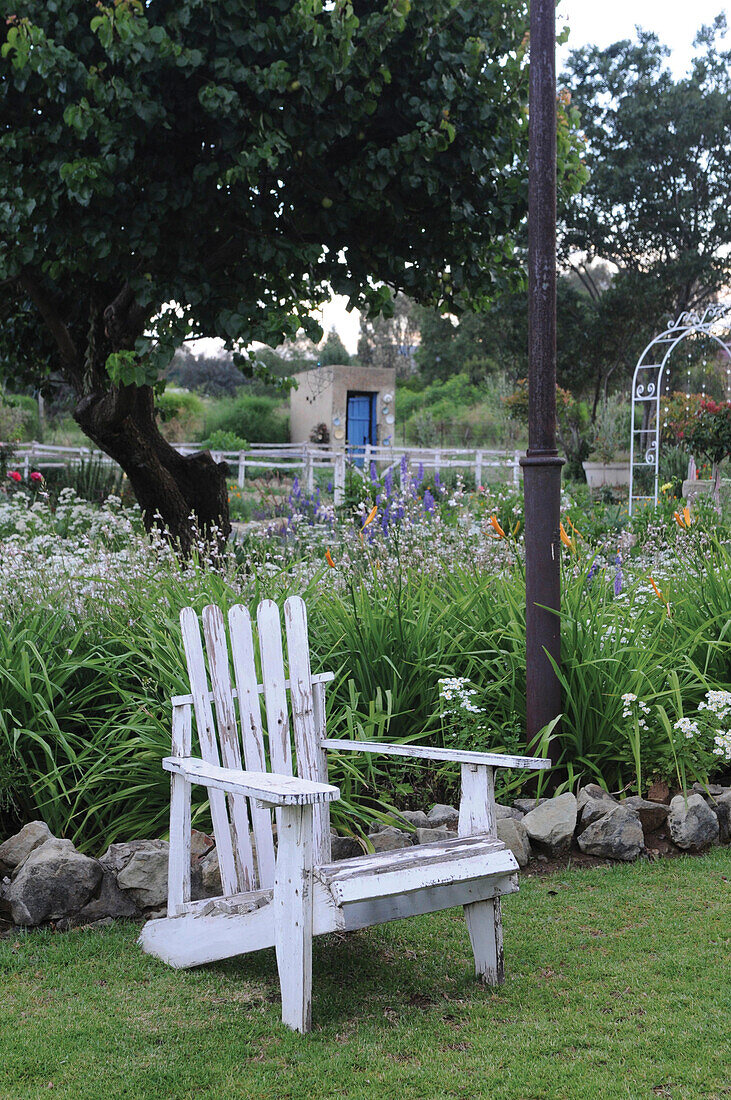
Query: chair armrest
x: 269, y: 788
x: 428, y: 752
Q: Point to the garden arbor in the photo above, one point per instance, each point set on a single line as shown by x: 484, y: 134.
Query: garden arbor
x: 647, y: 385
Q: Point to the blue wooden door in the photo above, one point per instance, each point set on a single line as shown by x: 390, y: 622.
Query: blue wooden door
x: 361, y: 423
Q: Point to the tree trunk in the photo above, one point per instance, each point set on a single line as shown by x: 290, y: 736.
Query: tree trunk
x: 183, y: 495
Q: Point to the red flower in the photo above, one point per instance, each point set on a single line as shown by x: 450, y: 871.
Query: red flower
x: 35, y: 476
x: 14, y: 475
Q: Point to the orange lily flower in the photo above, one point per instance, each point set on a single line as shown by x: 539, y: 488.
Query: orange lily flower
x: 329, y: 559
x: 659, y: 595
x: 494, y: 523
x: 566, y: 540
x: 370, y: 517
x: 683, y: 520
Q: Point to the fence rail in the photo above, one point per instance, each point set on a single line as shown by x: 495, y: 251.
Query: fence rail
x: 294, y: 458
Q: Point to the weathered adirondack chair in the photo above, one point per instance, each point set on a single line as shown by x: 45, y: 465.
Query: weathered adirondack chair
x: 284, y: 899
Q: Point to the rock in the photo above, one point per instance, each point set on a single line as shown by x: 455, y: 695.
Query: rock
x: 713, y: 788
x: 210, y: 881
x: 430, y: 836
x: 693, y: 824
x: 389, y: 839
x: 651, y: 814
x: 117, y: 856
x: 721, y: 807
x: 525, y: 805
x: 54, y: 882
x: 345, y: 847
x: 514, y: 836
x: 616, y: 835
x: 443, y: 815
x: 502, y: 813
x: 145, y: 875
x: 417, y: 818
x: 552, y: 823
x: 594, y: 808
x: 17, y: 848
x: 109, y: 903
x: 200, y: 844
x: 593, y: 791
x: 658, y: 792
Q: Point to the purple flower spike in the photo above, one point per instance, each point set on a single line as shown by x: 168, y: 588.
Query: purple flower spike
x: 404, y: 467
x: 374, y: 473
x: 420, y: 474
x: 618, y: 579
x: 388, y: 484
x: 428, y: 502
x: 437, y: 480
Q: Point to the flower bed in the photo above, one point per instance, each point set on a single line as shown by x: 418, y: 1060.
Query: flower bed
x: 425, y: 582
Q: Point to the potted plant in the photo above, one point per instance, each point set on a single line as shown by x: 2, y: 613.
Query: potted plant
x: 604, y: 465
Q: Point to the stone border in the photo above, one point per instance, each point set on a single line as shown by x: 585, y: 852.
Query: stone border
x: 46, y: 881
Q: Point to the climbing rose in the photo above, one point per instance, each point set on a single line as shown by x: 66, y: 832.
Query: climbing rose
x: 14, y: 475
x: 35, y: 476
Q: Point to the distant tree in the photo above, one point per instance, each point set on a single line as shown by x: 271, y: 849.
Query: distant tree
x: 170, y: 169
x: 333, y: 352
x: 391, y: 341
x: 213, y: 375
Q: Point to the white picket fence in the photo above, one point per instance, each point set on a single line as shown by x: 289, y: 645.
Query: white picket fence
x: 301, y: 459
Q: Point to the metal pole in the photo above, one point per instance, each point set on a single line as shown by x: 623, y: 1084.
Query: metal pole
x: 542, y: 465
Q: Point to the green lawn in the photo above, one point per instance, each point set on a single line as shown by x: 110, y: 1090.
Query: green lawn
x: 618, y: 986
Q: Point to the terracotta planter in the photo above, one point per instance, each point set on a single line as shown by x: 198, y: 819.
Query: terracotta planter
x: 615, y: 474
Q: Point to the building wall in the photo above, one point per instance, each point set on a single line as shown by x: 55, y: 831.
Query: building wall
x: 322, y: 397
x: 310, y: 404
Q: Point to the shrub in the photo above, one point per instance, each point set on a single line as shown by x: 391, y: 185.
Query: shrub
x: 181, y: 415
x: 256, y: 419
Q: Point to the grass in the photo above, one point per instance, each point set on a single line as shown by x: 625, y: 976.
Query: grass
x: 617, y: 988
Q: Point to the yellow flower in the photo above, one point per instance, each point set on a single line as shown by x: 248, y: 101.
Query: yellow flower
x: 328, y: 559
x: 494, y: 523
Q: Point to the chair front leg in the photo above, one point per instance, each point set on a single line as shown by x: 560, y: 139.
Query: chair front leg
x: 483, y: 918
x: 180, y: 797
x: 293, y: 915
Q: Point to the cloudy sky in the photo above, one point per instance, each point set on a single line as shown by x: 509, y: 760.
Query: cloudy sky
x: 674, y: 22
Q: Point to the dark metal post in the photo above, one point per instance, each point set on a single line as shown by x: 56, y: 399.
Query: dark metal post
x: 542, y: 465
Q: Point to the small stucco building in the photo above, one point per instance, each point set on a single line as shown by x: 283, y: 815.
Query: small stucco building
x: 355, y: 404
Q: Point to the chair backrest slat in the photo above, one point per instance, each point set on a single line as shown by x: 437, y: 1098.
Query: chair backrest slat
x: 214, y: 632
x: 209, y: 748
x: 311, y: 762
x: 275, y: 694
x: 247, y: 689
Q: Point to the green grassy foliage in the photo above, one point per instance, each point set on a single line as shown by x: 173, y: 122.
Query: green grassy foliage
x: 616, y: 988
x: 456, y: 412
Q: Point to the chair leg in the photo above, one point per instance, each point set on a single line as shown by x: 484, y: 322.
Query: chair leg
x: 293, y: 915
x: 485, y: 926
x: 179, y: 853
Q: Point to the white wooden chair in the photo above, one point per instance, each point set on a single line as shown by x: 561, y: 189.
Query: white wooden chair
x: 284, y: 898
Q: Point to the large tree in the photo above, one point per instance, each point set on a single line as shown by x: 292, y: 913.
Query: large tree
x: 213, y: 167
x: 659, y: 152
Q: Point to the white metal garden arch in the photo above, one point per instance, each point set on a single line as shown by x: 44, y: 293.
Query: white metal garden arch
x: 715, y: 323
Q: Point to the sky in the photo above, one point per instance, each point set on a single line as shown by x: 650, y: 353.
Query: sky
x: 676, y: 24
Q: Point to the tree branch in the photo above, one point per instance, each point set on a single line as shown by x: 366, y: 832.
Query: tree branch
x: 49, y: 313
